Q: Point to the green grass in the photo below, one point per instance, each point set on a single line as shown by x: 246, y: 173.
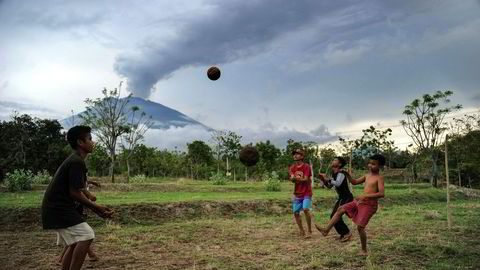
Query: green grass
x: 409, y: 231
x: 399, y: 237
x: 233, y: 191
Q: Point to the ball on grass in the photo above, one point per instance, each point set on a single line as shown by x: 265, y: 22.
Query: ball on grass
x: 249, y: 156
x: 213, y: 73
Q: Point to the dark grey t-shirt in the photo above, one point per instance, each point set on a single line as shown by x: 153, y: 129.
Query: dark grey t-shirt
x: 58, y: 207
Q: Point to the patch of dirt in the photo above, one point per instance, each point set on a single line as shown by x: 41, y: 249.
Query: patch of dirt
x: 22, y: 218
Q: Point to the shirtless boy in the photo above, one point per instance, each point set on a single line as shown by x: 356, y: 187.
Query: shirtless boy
x: 363, y: 207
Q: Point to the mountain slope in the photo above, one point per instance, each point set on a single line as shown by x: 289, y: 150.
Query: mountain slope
x: 163, y: 117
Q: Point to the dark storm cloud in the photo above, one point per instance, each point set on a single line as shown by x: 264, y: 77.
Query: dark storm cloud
x: 238, y: 29
x: 233, y: 29
x: 53, y: 15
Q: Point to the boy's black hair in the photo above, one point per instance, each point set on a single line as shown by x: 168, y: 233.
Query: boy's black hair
x: 381, y: 159
x: 77, y: 133
x: 342, y: 161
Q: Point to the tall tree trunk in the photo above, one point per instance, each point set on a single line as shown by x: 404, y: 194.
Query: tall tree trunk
x: 459, y: 175
x: 434, y: 176
x: 112, y: 165
x: 128, y: 170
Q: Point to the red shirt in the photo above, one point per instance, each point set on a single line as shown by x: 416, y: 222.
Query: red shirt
x: 301, y: 188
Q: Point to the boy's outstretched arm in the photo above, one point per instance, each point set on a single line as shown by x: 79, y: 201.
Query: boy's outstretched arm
x: 355, y: 181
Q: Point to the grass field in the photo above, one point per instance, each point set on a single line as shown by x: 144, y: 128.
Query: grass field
x: 183, y: 224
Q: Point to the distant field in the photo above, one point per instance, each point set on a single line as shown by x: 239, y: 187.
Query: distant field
x: 184, y: 224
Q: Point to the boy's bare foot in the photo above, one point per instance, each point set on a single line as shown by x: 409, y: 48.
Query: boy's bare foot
x: 308, y: 235
x: 322, y: 230
x: 302, y: 233
x: 346, y: 237
x: 363, y: 253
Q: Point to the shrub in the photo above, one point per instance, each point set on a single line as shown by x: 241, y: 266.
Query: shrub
x: 42, y: 177
x: 218, y: 179
x: 272, y: 181
x: 139, y: 178
x: 19, y: 180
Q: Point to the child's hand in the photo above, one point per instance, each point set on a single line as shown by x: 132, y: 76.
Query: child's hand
x: 322, y: 176
x: 92, y: 198
x: 94, y: 183
x: 104, y: 211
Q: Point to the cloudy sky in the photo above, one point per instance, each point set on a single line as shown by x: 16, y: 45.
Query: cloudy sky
x: 304, y: 69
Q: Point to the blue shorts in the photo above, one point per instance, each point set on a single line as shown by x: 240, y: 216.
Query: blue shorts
x: 300, y: 203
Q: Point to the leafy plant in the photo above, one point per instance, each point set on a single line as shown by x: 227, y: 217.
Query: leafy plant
x: 218, y: 179
x: 139, y: 178
x: 42, y: 177
x: 272, y: 181
x: 19, y: 180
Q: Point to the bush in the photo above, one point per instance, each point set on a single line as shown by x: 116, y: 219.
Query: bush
x: 42, y: 177
x: 19, y: 180
x: 140, y: 178
x: 218, y: 179
x: 272, y: 181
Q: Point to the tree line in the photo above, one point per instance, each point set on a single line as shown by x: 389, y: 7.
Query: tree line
x: 37, y: 144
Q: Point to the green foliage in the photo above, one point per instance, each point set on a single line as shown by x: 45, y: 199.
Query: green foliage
x: 425, y: 124
x: 98, y: 161
x: 218, y: 179
x: 42, y: 177
x: 463, y: 159
x: 108, y: 119
x: 31, y: 143
x: 199, y: 152
x: 19, y: 180
x: 140, y: 178
x: 272, y: 181
x: 268, y: 155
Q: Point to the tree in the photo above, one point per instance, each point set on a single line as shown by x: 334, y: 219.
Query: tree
x: 327, y: 154
x: 137, y: 127
x: 374, y: 141
x: 199, y: 155
x: 97, y: 161
x: 31, y: 143
x: 463, y: 134
x: 425, y: 124
x: 268, y: 154
x: 347, y: 149
x: 226, y: 145
x: 108, y: 120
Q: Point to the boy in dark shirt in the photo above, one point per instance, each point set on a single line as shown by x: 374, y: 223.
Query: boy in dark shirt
x: 339, y: 181
x: 59, y: 211
x: 301, y: 174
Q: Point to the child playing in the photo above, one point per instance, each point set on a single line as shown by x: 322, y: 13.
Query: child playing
x: 339, y: 181
x: 58, y: 206
x: 363, y: 208
x: 301, y: 174
x: 91, y: 254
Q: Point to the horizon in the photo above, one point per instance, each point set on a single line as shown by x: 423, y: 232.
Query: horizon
x: 309, y: 71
